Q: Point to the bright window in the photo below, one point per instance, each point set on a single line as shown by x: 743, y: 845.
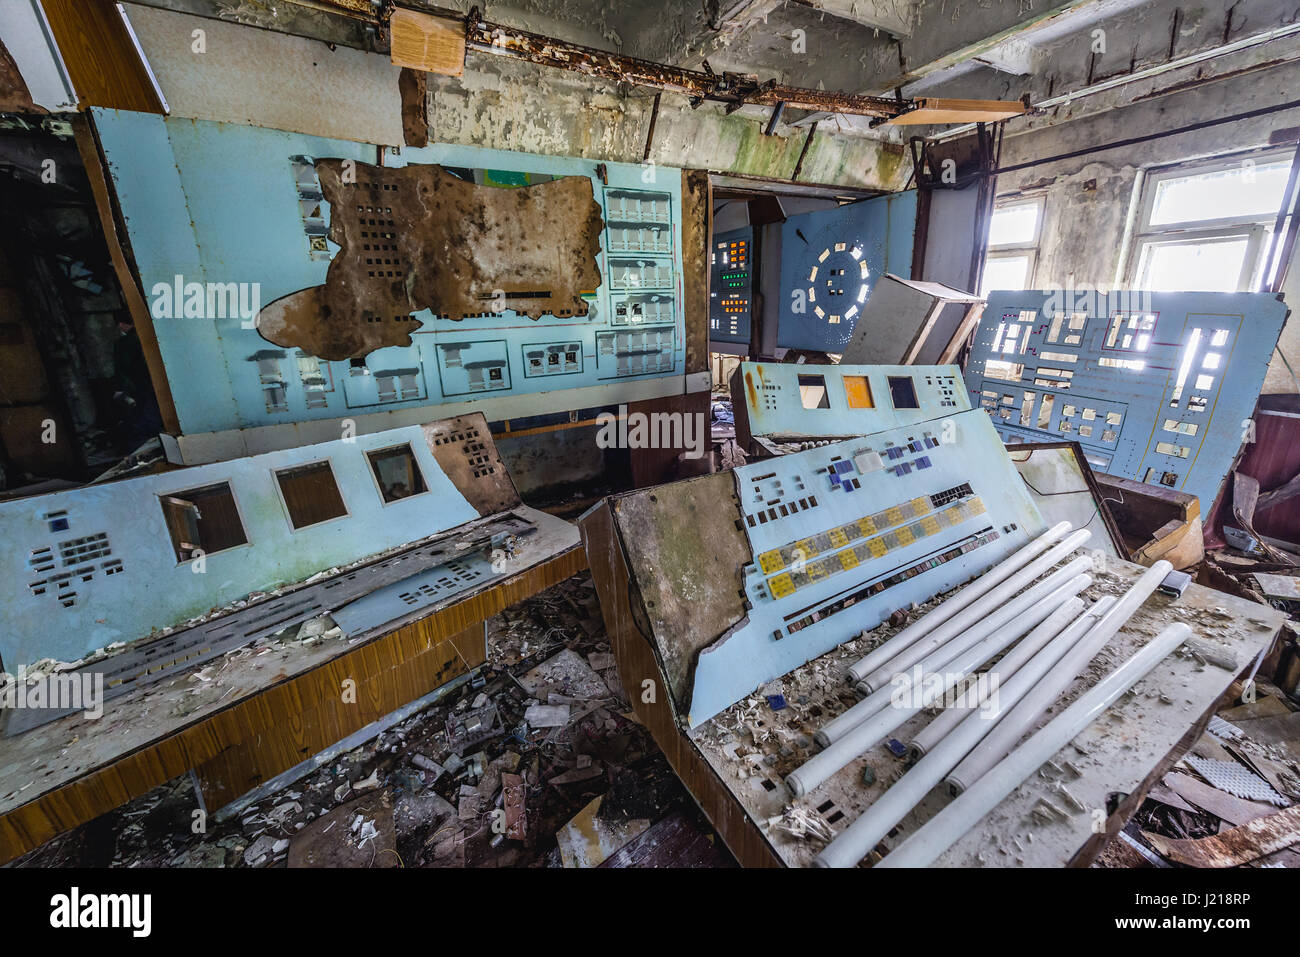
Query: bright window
x: 1208, y: 226
x: 1006, y: 272
x: 1014, y: 232
x: 1015, y: 224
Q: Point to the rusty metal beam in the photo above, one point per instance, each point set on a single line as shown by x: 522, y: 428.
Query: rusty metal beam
x: 736, y: 90
x: 650, y: 133
x: 733, y: 89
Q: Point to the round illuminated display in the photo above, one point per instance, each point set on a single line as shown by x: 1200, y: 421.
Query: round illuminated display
x: 837, y: 283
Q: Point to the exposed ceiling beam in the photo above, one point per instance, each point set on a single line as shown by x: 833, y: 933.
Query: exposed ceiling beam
x: 736, y: 17
x: 1153, y: 71
x: 1015, y: 57
x: 732, y: 19
x: 735, y: 90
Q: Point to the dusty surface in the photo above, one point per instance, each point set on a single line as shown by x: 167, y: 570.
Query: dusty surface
x: 754, y: 746
x: 696, y: 549
x: 46, y: 757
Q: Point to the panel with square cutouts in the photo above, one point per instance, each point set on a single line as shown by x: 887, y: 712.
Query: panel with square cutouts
x: 1154, y: 386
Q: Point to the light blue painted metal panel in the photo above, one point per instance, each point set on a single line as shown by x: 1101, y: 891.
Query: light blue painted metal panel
x: 413, y: 594
x: 215, y: 202
x: 1157, y: 387
x: 96, y: 565
x: 845, y: 534
x: 830, y: 261
x: 787, y: 401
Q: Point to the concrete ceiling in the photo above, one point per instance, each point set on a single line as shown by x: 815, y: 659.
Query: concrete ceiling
x: 1050, y: 51
x: 994, y: 49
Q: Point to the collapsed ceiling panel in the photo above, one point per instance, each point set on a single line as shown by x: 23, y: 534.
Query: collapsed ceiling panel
x: 418, y: 237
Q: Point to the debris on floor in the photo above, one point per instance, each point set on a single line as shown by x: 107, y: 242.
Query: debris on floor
x: 1231, y: 800
x: 536, y: 760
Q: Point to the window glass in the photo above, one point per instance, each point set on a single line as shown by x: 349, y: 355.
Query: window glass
x: 1249, y: 189
x: 1209, y: 266
x: 812, y: 392
x: 1005, y: 272
x: 902, y: 392
x: 1015, y: 224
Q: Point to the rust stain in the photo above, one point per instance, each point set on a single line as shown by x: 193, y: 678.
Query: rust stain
x: 14, y: 95
x: 1235, y: 846
x: 417, y: 237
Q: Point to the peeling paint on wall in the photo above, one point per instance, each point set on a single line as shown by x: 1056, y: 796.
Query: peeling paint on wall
x: 417, y: 238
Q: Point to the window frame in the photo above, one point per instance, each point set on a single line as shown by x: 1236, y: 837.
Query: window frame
x: 1256, y: 229
x: 288, y: 513
x: 374, y: 474
x: 178, y: 494
x: 824, y: 401
x: 1028, y: 248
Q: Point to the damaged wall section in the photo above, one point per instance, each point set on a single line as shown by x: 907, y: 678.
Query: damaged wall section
x: 418, y: 237
x: 240, y: 207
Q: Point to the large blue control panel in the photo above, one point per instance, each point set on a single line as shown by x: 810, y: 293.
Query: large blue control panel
x: 1160, y: 390
x: 117, y: 561
x: 738, y: 577
x: 791, y: 404
x: 224, y: 204
x: 845, y: 534
x: 830, y: 262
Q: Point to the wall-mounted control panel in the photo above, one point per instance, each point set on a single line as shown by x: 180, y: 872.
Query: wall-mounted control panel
x: 1157, y: 387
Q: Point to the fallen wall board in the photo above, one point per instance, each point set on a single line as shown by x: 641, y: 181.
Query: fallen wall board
x: 899, y: 320
x: 1235, y: 846
x: 1156, y: 387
